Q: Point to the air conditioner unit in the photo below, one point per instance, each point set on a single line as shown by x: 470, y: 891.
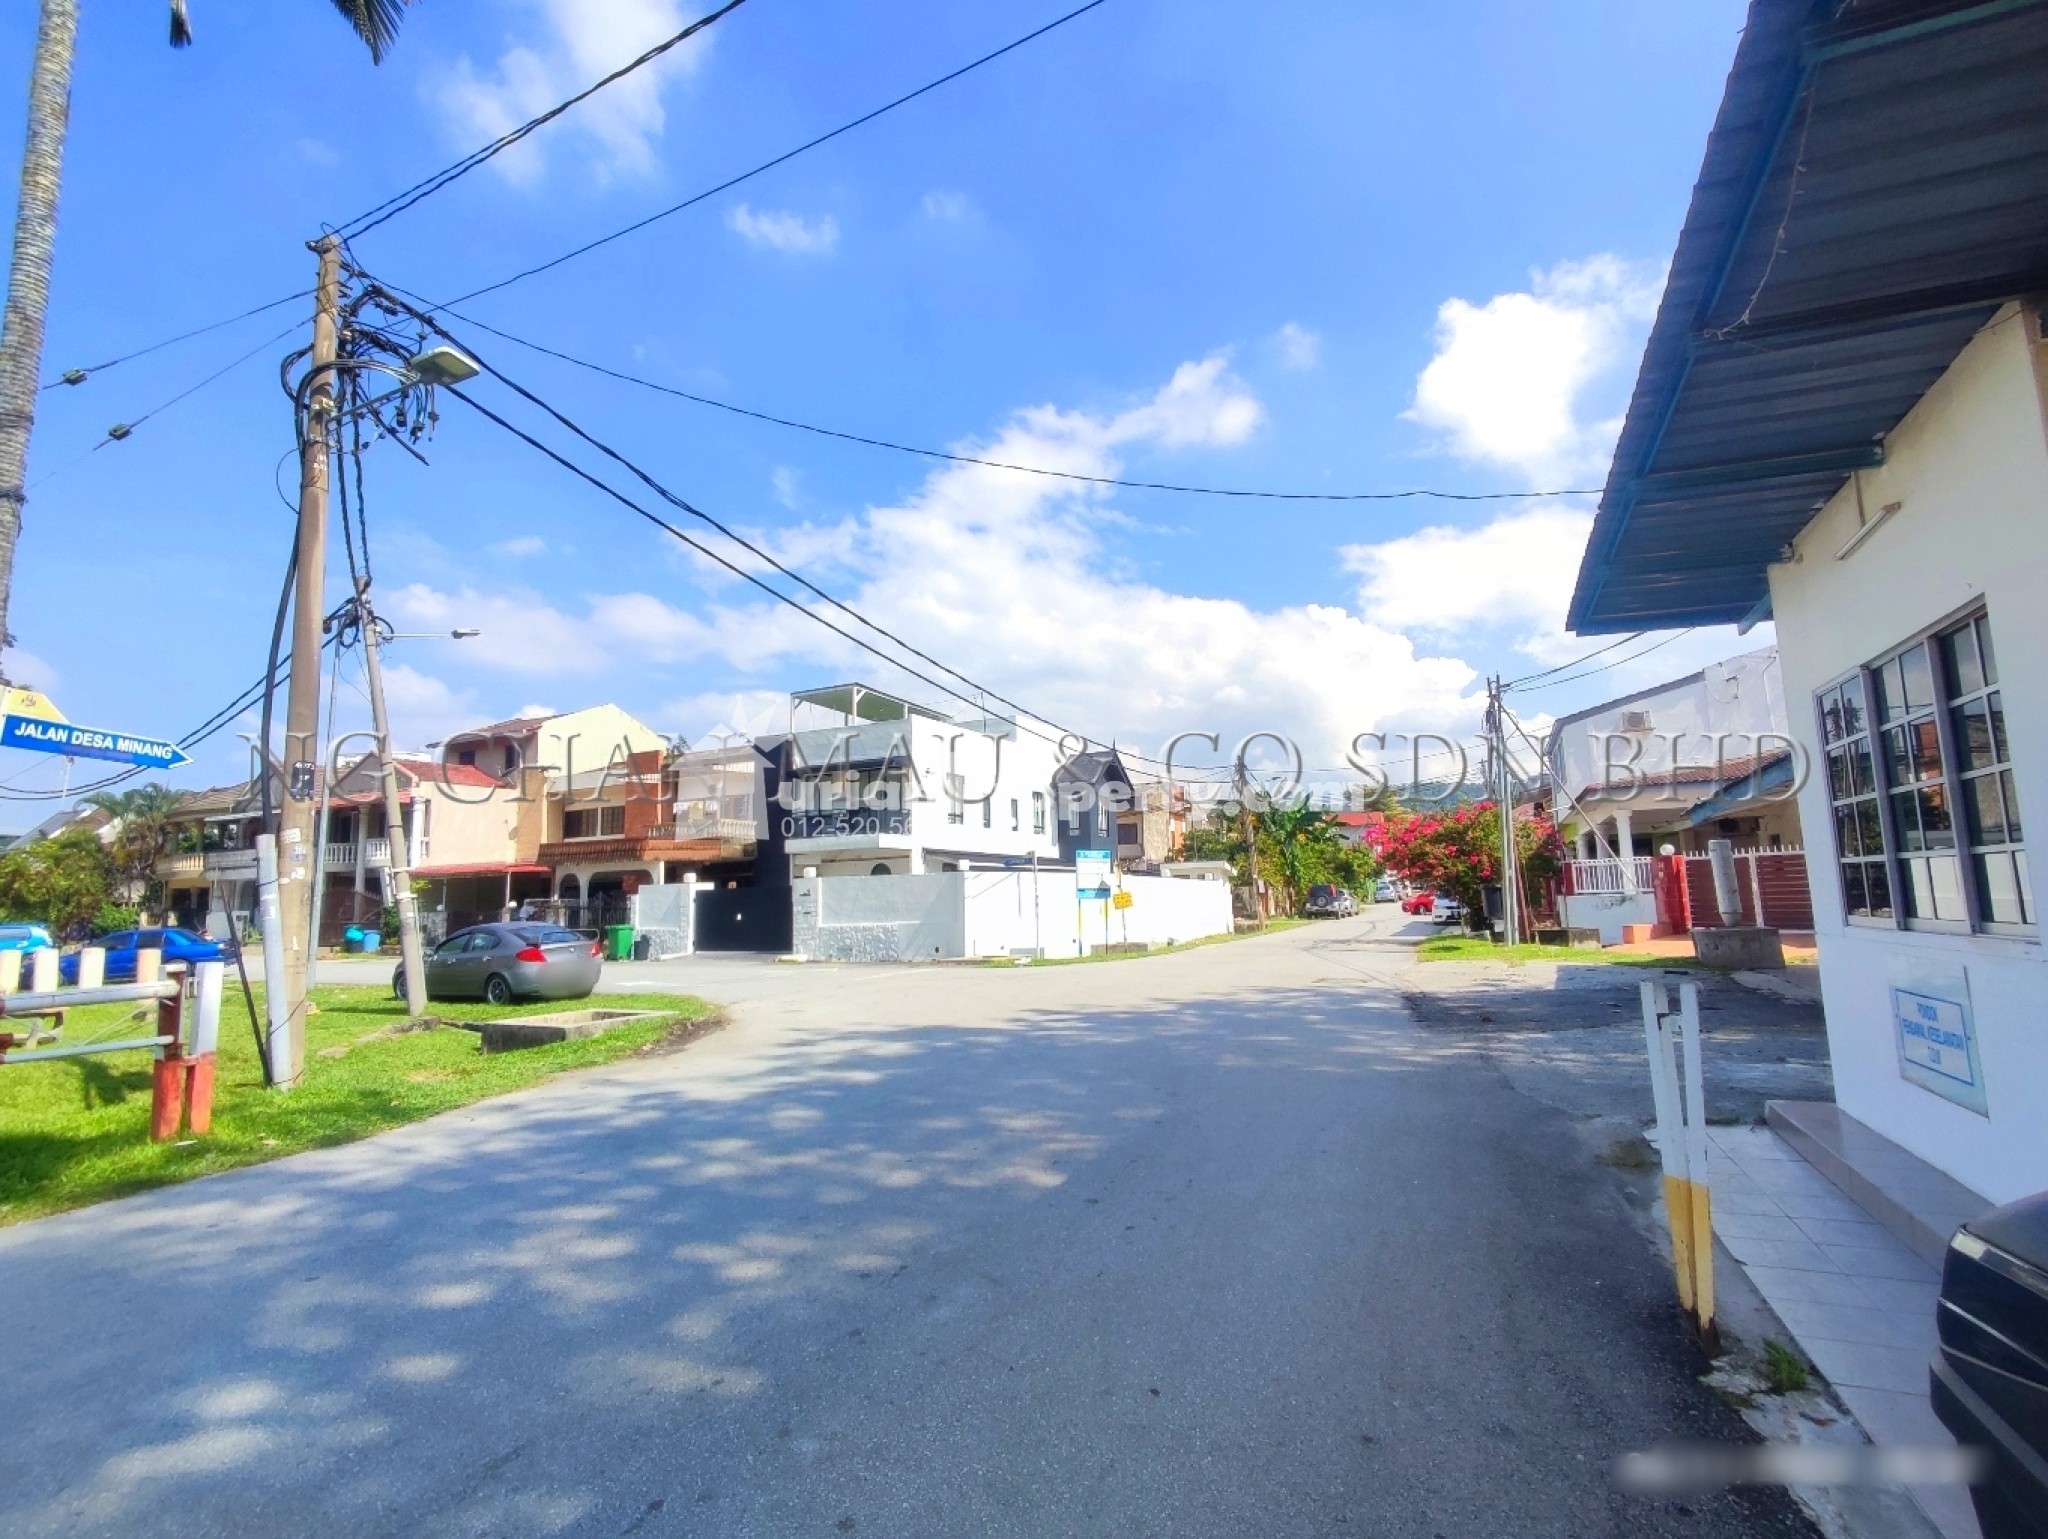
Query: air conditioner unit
x: 1635, y: 721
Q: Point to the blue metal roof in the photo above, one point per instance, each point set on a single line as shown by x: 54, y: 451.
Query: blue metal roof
x: 1874, y: 188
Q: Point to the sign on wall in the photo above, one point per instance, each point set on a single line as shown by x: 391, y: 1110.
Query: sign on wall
x: 1091, y: 872
x: 1937, y: 1036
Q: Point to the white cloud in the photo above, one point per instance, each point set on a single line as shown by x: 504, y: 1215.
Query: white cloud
x: 785, y: 231
x: 786, y: 483
x: 1507, y: 381
x: 1299, y: 348
x: 522, y: 631
x: 724, y: 716
x: 946, y: 207
x: 1516, y: 570
x: 1008, y: 577
x: 521, y: 545
x: 28, y: 670
x: 565, y: 46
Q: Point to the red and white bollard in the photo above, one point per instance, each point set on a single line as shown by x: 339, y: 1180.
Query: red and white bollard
x: 182, y: 1090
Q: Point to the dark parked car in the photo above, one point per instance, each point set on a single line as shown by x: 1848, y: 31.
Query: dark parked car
x: 1328, y: 902
x: 504, y: 962
x: 1990, y: 1378
x: 187, y: 946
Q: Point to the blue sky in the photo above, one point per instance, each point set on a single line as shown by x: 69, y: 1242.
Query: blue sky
x: 1325, y: 247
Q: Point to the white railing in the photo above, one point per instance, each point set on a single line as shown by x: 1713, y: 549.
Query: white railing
x: 1610, y: 876
x: 193, y: 864
x: 377, y: 852
x: 340, y: 857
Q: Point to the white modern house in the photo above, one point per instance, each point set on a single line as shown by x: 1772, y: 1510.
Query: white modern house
x: 1841, y: 424
x: 873, y: 785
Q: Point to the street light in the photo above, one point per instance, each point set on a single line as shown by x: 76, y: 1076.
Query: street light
x: 460, y: 635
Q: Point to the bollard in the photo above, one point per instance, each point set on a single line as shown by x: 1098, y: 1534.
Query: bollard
x: 167, y: 1087
x: 92, y: 967
x: 10, y: 972
x: 204, y: 1040
x: 1727, y: 896
x: 43, y: 972
x: 1682, y: 1147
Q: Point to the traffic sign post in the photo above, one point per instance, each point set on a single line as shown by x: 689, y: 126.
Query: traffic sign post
x: 40, y: 735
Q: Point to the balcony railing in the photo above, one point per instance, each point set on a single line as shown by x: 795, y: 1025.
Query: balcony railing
x: 193, y: 864
x: 341, y: 855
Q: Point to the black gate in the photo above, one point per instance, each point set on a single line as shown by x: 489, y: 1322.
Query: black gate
x: 744, y: 919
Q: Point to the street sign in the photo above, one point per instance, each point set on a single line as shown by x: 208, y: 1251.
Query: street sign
x: 1020, y: 862
x: 41, y: 735
x: 299, y: 780
x: 1122, y: 899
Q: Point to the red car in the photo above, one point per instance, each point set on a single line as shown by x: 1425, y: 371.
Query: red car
x: 1420, y: 903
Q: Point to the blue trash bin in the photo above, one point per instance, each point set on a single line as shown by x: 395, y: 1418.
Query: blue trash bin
x: 352, y: 938
x: 372, y: 940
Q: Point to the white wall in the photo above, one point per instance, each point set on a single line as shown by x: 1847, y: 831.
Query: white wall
x: 1607, y: 912
x: 993, y: 913
x: 667, y: 915
x: 1969, y: 467
x: 1743, y: 696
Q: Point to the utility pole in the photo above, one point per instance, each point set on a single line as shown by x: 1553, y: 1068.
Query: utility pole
x: 1504, y: 792
x: 398, y: 868
x: 296, y: 832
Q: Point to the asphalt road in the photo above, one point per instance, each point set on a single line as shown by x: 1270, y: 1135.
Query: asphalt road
x: 1220, y: 1243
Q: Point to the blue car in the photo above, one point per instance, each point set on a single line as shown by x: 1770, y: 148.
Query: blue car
x: 177, y: 945
x: 24, y: 937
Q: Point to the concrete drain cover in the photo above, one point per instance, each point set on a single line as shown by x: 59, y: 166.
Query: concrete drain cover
x: 563, y: 1026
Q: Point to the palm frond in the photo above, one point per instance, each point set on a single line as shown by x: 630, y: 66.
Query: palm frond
x: 376, y: 22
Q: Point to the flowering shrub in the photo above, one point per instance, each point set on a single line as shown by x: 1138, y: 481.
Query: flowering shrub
x: 1457, y: 852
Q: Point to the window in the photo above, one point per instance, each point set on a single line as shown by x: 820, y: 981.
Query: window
x: 988, y: 812
x: 1038, y: 812
x: 466, y: 756
x: 594, y: 823
x: 956, y: 804
x: 1015, y: 824
x: 1906, y: 740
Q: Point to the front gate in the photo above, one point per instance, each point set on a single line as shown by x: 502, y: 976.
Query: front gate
x: 744, y: 919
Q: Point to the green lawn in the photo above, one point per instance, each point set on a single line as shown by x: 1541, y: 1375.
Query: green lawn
x: 76, y: 1130
x: 1477, y: 948
x: 1273, y: 927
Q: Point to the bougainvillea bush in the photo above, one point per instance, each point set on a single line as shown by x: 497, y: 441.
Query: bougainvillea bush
x: 1457, y: 851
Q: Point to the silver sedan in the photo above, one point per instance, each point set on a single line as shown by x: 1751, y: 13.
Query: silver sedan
x: 504, y: 962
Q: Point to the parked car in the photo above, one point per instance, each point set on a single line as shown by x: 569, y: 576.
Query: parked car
x: 177, y: 945
x: 24, y: 937
x: 1989, y: 1381
x: 1328, y: 902
x: 1384, y: 890
x: 504, y: 962
x: 1418, y: 903
x: 1447, y: 910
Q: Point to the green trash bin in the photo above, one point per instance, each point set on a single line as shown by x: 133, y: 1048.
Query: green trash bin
x: 618, y: 942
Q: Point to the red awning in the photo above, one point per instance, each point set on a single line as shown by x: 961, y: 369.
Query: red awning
x: 486, y: 868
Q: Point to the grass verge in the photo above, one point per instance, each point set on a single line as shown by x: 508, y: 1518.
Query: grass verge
x: 1273, y: 927
x: 76, y: 1130
x: 1477, y: 948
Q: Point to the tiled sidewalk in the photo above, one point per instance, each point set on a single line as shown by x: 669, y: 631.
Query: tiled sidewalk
x: 1859, y: 1302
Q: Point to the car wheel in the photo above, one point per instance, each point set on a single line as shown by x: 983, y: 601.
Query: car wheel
x: 398, y: 981
x: 497, y: 989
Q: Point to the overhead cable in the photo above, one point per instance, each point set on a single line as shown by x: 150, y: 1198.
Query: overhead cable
x: 79, y: 376
x: 397, y: 204
x: 768, y: 165
x: 975, y: 459
x: 1590, y: 672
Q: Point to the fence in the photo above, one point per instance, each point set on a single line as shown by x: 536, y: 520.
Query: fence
x: 1601, y: 878
x: 1772, y: 883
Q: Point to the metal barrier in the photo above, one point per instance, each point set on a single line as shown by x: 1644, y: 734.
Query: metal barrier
x: 184, y: 1042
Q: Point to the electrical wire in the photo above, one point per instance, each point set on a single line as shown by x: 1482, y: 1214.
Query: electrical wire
x: 120, y: 432
x: 1590, y: 672
x: 975, y: 699
x: 393, y: 206
x: 79, y: 376
x: 768, y: 165
x: 973, y: 459
x: 1575, y: 662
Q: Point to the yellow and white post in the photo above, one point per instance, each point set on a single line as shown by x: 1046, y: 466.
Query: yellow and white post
x: 1680, y: 1102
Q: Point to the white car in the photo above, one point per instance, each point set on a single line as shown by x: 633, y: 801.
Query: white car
x: 1384, y: 890
x: 1448, y: 910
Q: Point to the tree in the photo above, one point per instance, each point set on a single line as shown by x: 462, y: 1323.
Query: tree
x: 1298, y: 843
x: 376, y: 22
x: 60, y: 882
x: 1457, y: 852
x: 142, y: 832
